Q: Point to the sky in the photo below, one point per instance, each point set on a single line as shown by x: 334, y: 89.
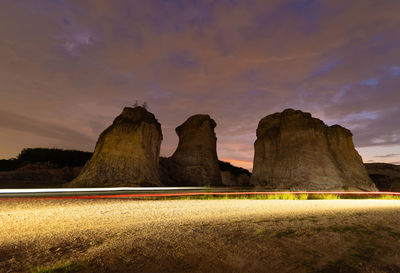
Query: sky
x: 67, y: 68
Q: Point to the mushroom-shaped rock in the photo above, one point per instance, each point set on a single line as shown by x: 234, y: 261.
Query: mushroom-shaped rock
x: 126, y: 154
x: 295, y: 151
x: 195, y: 160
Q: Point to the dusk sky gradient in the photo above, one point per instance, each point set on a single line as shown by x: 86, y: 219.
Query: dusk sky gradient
x: 67, y: 68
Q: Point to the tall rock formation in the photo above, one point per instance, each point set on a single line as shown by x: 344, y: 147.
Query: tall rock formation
x: 126, y: 153
x: 195, y: 161
x: 295, y: 151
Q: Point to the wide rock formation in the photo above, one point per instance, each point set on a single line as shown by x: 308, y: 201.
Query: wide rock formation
x: 385, y: 176
x: 195, y: 161
x: 295, y: 151
x: 126, y: 154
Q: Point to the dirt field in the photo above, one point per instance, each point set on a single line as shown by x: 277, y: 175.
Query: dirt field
x: 122, y: 235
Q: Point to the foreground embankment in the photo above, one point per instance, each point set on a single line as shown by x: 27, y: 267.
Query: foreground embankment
x: 124, y: 235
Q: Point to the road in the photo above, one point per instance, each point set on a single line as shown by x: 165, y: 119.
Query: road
x: 127, y: 235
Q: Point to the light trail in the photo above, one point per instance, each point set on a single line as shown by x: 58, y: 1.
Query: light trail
x: 140, y: 195
x: 68, y: 190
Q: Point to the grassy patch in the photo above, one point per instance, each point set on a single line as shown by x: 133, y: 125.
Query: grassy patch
x: 364, y: 253
x: 65, y: 267
x: 318, y: 229
x: 339, y: 265
x: 343, y: 229
x: 280, y: 196
x: 324, y: 196
x: 261, y: 231
x: 388, y: 197
x: 390, y: 231
x: 287, y: 196
x: 394, y: 234
x: 285, y: 233
x: 273, y: 196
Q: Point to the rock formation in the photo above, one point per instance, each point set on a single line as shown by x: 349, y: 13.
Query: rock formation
x: 195, y: 161
x: 126, y: 154
x: 295, y: 151
x: 385, y: 176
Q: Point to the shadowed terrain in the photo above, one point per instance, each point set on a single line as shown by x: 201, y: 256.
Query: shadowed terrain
x: 385, y: 176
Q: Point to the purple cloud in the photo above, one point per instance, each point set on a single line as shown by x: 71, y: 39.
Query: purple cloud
x: 75, y: 64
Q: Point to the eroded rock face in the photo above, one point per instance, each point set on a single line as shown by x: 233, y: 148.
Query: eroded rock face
x: 293, y: 150
x: 195, y: 161
x: 385, y: 176
x: 126, y: 153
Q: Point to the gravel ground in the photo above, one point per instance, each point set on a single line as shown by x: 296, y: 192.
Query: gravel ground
x: 123, y: 235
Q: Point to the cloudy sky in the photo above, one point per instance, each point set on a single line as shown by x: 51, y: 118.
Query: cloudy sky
x: 68, y: 67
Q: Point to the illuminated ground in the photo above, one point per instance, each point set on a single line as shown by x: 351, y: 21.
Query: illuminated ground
x: 123, y: 235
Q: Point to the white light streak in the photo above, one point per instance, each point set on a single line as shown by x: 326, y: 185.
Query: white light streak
x: 58, y: 190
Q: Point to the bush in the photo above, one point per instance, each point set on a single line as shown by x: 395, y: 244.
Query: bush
x: 8, y: 164
x: 56, y: 157
x: 53, y: 157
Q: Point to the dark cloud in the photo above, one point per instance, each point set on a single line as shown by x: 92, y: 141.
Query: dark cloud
x: 75, y: 64
x: 30, y: 125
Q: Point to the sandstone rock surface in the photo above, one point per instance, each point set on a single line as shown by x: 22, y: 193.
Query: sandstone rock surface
x: 195, y: 161
x: 295, y: 151
x: 385, y: 176
x: 126, y: 153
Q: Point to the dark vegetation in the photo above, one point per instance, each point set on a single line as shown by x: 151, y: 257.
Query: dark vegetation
x: 236, y: 171
x: 52, y: 157
x: 9, y: 164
